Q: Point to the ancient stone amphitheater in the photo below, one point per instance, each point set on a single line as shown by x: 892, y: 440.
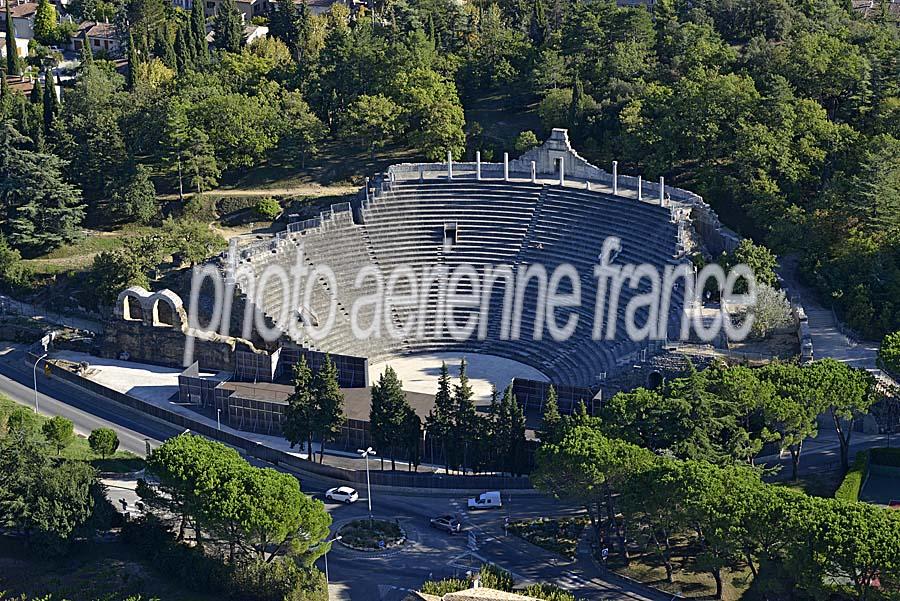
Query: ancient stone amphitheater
x: 547, y: 207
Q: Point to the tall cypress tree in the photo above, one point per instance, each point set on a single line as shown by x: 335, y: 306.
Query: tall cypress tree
x: 329, y: 415
x: 183, y: 59
x: 37, y: 93
x: 537, y: 29
x: 511, y: 434
x: 552, y: 420
x: 440, y: 418
x: 51, y: 103
x: 12, y: 52
x: 464, y: 416
x: 132, y: 62
x: 198, y: 35
x: 297, y: 425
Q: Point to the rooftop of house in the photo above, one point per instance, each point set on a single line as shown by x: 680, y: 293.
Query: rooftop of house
x: 471, y: 594
x: 99, y: 30
x: 18, y: 9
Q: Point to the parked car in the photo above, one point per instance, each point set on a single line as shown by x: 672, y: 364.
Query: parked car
x: 342, y: 494
x: 447, y: 523
x: 486, y: 500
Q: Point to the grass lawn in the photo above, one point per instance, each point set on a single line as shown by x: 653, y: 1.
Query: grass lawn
x: 91, y: 571
x: 79, y: 255
x: 688, y: 582
x: 816, y: 485
x: 78, y: 449
x: 558, y: 536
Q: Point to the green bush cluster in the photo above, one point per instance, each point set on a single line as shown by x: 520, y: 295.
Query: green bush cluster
x: 226, y: 205
x: 268, y: 208
x: 494, y: 577
x: 852, y: 485
x: 251, y: 580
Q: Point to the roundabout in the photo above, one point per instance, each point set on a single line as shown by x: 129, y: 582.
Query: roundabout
x: 372, y: 535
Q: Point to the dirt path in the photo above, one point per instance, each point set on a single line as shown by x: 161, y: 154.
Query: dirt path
x: 301, y: 190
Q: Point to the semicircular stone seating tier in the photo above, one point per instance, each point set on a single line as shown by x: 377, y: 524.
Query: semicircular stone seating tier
x: 490, y: 223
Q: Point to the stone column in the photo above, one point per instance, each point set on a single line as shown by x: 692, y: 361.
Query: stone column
x: 533, y: 173
x: 478, y: 165
x: 562, y: 171
x: 367, y: 187
x: 615, y: 179
x: 449, y: 165
x: 662, y: 191
x: 506, y: 166
x: 640, y: 197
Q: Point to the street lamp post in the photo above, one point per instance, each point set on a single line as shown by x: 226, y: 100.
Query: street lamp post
x: 219, y: 419
x: 35, y: 381
x: 325, y: 557
x: 365, y: 454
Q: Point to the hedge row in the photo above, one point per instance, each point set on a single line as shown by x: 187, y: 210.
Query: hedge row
x: 850, y: 488
x: 885, y: 456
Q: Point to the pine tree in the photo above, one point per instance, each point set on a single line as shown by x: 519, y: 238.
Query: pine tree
x: 43, y: 211
x: 12, y: 52
x: 552, y: 420
x: 198, y: 35
x: 464, y: 416
x: 329, y: 415
x: 51, y: 103
x: 297, y: 425
x: 284, y: 25
x: 228, y: 27
x: 440, y: 418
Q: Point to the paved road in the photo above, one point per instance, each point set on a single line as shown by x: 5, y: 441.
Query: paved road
x: 87, y: 411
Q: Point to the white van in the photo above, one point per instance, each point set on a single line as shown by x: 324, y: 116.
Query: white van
x: 486, y: 500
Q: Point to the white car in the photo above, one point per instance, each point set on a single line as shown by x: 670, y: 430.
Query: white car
x: 342, y: 494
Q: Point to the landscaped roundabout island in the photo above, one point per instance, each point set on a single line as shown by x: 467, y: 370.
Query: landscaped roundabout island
x: 372, y: 535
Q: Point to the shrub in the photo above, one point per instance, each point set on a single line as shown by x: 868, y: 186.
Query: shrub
x: 525, y: 141
x: 495, y: 577
x: 439, y: 588
x: 268, y: 208
x: 231, y: 204
x: 103, y: 442
x: 548, y: 592
x: 889, y: 353
x: 853, y: 481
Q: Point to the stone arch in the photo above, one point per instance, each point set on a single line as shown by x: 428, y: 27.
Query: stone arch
x: 131, y: 304
x: 165, y: 309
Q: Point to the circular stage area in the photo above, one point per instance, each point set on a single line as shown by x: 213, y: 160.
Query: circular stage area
x: 419, y: 373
